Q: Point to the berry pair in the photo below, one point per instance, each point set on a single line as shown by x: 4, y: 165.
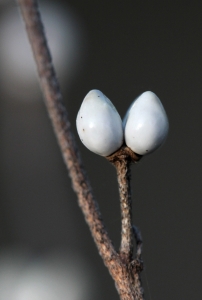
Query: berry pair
x: 101, y: 130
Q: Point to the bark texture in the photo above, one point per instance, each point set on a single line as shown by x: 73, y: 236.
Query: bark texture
x: 124, y: 270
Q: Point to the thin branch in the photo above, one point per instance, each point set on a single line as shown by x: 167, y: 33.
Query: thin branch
x: 62, y: 128
x: 126, y: 274
x: 122, y: 160
x: 123, y: 176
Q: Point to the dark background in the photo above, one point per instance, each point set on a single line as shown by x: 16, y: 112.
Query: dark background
x: 126, y: 48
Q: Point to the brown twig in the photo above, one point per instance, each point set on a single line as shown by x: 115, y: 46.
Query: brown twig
x: 125, y: 272
x: 123, y: 176
x: 122, y: 160
x: 62, y: 128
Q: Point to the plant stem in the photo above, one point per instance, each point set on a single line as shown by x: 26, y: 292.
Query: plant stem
x: 124, y: 270
x: 123, y: 176
x: 122, y: 160
x: 62, y: 128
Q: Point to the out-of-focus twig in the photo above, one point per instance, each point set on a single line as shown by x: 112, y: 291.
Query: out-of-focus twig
x: 124, y: 272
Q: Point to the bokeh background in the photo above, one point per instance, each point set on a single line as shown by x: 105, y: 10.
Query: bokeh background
x: 123, y: 49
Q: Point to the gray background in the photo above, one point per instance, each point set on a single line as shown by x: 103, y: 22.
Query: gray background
x: 128, y: 47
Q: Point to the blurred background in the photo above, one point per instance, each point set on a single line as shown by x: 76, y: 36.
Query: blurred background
x: 123, y: 49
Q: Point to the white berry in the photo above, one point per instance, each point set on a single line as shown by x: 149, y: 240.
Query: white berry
x: 99, y: 125
x: 145, y: 124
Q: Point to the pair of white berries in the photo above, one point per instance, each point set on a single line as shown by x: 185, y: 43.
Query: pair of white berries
x: 101, y: 130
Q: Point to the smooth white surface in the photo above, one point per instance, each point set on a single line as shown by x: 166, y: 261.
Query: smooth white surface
x: 145, y: 124
x: 99, y: 125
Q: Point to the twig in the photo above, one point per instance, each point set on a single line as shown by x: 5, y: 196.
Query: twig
x: 62, y: 128
x: 122, y: 160
x: 123, y: 176
x: 124, y: 272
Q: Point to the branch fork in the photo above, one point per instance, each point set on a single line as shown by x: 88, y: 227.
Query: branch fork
x: 123, y: 268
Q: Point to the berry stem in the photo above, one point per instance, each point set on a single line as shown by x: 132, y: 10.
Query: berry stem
x: 123, y: 177
x: 122, y: 160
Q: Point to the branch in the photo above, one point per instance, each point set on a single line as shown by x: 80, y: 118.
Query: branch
x: 122, y: 160
x: 123, y: 176
x: 62, y: 128
x: 125, y: 272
